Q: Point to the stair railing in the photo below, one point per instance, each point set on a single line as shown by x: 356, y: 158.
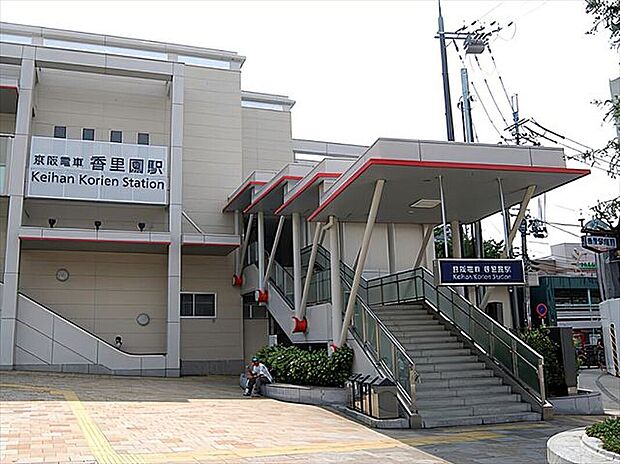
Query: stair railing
x: 506, y: 349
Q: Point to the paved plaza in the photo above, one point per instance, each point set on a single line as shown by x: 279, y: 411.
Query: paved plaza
x: 122, y: 420
x: 63, y: 418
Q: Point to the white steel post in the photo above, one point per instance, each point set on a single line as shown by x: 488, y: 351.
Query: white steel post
x: 261, y: 250
x: 274, y: 247
x: 304, y: 296
x: 237, y: 224
x: 361, y: 261
x: 391, y: 244
x: 246, y: 242
x: 297, y: 260
x: 443, y: 218
x: 506, y: 219
x: 336, y: 284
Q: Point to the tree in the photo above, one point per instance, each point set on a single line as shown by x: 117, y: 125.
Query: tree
x: 606, y: 16
x: 492, y: 248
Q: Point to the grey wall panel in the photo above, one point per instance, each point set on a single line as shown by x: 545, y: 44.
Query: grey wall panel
x: 104, y: 293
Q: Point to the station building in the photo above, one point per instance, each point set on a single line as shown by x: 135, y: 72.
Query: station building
x: 156, y: 219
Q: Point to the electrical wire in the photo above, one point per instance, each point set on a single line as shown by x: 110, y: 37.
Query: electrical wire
x: 486, y: 112
x: 501, y: 81
x: 491, y: 94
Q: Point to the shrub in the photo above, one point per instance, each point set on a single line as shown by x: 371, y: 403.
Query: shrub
x: 291, y: 364
x: 540, y: 341
x: 608, y: 432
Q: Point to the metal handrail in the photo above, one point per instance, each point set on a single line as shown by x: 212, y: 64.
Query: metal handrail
x: 515, y: 343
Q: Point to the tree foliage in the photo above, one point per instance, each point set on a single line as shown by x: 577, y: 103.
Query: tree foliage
x: 492, y: 248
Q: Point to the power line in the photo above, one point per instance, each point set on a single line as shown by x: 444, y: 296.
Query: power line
x: 501, y: 81
x: 491, y: 93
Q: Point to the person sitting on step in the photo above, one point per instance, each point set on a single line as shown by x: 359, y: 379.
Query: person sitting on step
x: 257, y: 375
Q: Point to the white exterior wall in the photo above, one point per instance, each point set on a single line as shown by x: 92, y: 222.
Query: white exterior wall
x: 80, y: 100
x: 212, y: 158
x: 104, y: 294
x: 267, y: 140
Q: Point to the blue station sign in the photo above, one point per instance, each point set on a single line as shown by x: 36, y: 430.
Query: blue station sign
x: 491, y: 272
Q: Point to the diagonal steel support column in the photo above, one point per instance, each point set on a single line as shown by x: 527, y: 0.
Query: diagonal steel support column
x: 246, y: 242
x: 261, y: 250
x: 529, y: 193
x: 370, y: 223
x: 274, y: 247
x: 422, y: 252
x: 301, y: 313
x: 296, y: 225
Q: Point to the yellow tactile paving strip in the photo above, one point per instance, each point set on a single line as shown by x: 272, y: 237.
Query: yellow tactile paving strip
x: 110, y: 420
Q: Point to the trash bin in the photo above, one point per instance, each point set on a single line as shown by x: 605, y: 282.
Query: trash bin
x: 373, y: 396
x: 383, y: 398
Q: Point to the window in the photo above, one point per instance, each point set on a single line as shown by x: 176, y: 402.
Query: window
x: 116, y: 136
x: 198, y: 305
x: 88, y: 134
x: 60, y: 132
x: 143, y: 138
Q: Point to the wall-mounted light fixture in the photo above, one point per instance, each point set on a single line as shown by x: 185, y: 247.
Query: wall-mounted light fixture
x: 51, y: 222
x: 141, y: 226
x: 97, y: 224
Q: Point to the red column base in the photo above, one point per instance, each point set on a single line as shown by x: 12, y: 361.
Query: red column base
x: 237, y: 280
x: 262, y: 296
x: 300, y: 325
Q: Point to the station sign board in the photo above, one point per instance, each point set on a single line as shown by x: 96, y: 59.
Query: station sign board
x: 483, y: 272
x: 599, y: 243
x: 97, y: 171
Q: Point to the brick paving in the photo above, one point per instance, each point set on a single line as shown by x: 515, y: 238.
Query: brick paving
x: 64, y: 418
x: 517, y: 443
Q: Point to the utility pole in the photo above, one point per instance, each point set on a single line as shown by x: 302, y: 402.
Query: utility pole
x: 514, y: 103
x: 444, y: 75
x: 527, y: 307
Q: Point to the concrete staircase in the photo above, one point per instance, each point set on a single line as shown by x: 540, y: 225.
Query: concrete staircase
x: 455, y: 387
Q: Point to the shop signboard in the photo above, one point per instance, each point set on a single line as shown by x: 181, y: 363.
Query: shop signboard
x: 483, y: 272
x: 599, y: 243
x: 97, y: 171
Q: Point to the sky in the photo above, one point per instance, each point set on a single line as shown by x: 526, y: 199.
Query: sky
x: 363, y: 70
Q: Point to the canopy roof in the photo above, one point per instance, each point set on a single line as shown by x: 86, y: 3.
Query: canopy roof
x: 411, y: 170
x: 242, y: 197
x: 270, y: 197
x: 304, y: 197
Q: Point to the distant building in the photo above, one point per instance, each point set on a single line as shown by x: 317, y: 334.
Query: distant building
x: 568, y: 286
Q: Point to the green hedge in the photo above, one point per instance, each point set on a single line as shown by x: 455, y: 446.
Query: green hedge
x: 291, y: 364
x: 608, y: 432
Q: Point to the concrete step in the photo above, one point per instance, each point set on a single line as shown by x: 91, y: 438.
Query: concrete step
x: 439, y: 393
x: 422, y: 360
x: 481, y: 398
x: 476, y: 410
x: 436, y: 384
x: 479, y: 420
x: 402, y: 312
x: 434, y: 346
x: 467, y: 374
x: 446, y: 367
x: 408, y: 338
x: 409, y: 318
x: 412, y: 323
x: 421, y: 354
x: 420, y: 334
